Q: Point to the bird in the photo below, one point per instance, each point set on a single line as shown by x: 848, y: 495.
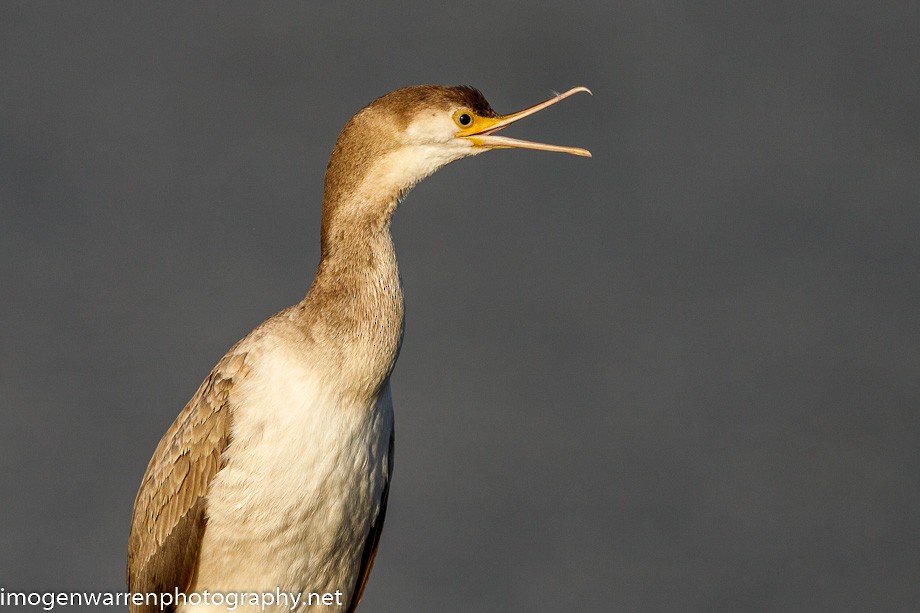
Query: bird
x: 276, y: 474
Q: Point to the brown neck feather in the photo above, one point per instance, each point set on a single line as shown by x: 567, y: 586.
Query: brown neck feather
x: 355, y: 305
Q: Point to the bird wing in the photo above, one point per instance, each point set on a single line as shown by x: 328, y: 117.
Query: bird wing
x: 169, y: 519
x: 373, y: 537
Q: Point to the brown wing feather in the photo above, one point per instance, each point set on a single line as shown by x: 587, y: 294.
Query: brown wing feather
x: 169, y: 518
x: 373, y: 537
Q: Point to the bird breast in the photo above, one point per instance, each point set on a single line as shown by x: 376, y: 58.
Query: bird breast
x: 302, y: 483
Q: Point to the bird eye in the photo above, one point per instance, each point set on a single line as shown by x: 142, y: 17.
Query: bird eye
x: 464, y: 119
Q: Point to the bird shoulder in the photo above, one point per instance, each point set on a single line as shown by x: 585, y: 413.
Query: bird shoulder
x: 169, y: 511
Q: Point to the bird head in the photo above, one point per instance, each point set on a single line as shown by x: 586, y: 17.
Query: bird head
x: 456, y: 122
x: 409, y: 133
x: 404, y: 136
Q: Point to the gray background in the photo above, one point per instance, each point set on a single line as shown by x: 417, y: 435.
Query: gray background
x: 680, y: 376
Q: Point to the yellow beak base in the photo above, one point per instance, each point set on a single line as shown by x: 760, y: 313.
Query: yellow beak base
x: 482, y: 131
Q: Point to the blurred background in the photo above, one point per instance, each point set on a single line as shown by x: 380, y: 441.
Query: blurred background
x: 679, y: 376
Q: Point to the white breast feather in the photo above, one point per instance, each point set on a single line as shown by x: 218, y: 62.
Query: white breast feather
x: 302, y: 484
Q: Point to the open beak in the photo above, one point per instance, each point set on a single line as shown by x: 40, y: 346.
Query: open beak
x: 482, y: 132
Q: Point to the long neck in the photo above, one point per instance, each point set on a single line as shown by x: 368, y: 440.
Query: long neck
x: 355, y: 304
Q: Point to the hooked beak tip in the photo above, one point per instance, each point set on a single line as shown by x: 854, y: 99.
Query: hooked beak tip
x: 484, y: 136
